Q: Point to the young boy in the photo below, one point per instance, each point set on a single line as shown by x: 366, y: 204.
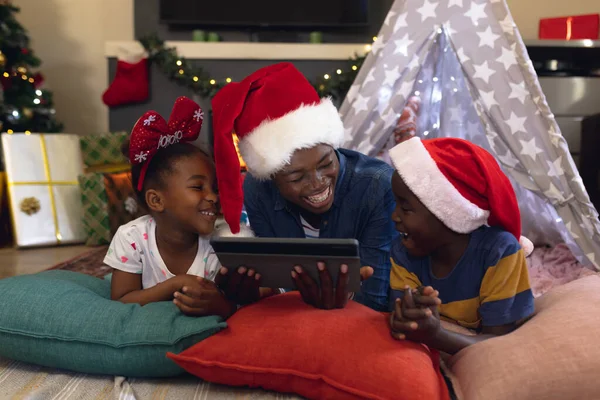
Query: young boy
x: 458, y: 256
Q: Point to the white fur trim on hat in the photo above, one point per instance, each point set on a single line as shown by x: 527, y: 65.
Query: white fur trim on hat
x: 223, y: 230
x: 421, y: 174
x: 269, y: 147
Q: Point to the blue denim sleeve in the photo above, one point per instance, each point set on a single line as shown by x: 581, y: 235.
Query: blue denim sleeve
x: 259, y: 220
x: 375, y: 244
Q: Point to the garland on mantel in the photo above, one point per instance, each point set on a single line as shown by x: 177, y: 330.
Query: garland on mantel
x: 180, y: 70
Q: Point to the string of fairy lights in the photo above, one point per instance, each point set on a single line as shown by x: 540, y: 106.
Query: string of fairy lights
x: 38, y: 99
x: 180, y: 70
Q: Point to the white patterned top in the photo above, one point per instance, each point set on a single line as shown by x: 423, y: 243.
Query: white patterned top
x: 134, y: 250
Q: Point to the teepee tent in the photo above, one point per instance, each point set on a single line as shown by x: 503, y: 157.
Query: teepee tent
x: 466, y: 62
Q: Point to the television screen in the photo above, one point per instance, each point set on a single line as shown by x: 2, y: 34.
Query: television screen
x: 266, y: 13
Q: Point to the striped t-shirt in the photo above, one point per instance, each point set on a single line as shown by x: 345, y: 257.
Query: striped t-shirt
x: 309, y: 231
x: 488, y: 287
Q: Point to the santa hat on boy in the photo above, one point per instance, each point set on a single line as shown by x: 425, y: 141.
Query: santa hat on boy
x: 274, y: 112
x: 460, y: 183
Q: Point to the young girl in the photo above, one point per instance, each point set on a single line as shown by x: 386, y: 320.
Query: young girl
x: 165, y: 255
x: 459, y: 255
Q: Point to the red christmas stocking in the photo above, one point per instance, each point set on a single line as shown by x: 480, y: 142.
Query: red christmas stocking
x: 130, y: 84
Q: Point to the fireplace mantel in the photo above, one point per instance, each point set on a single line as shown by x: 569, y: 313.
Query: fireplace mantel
x: 251, y: 50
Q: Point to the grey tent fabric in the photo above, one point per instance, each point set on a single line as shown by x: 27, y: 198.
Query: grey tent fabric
x: 466, y: 62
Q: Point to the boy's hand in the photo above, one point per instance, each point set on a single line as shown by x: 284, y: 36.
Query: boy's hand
x: 202, y: 300
x: 416, y: 316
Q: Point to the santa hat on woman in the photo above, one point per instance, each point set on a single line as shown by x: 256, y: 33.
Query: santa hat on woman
x: 460, y: 183
x: 274, y: 112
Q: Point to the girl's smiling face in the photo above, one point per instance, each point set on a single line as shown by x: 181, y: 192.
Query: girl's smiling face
x: 189, y: 195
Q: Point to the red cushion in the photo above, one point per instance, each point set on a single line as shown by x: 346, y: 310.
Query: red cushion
x: 282, y: 344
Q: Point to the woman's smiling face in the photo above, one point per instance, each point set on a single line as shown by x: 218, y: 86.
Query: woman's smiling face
x: 309, y: 179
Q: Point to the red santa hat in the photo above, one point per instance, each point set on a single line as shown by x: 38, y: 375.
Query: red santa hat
x: 274, y: 112
x: 460, y: 183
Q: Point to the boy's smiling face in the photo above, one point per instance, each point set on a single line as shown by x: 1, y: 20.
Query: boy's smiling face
x: 421, y: 232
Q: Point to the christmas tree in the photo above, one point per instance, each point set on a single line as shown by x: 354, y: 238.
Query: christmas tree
x: 24, y: 106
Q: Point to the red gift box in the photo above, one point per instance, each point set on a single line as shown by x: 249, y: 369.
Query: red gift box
x: 570, y: 28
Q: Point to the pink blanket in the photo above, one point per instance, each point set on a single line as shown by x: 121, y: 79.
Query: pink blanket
x: 554, y: 266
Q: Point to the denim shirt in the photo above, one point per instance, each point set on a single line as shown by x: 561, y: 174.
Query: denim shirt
x: 362, y: 209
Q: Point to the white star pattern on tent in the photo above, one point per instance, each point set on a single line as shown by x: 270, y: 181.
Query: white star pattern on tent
x: 400, y: 22
x: 429, y: 42
x: 553, y: 192
x: 488, y: 98
x: 591, y: 257
x: 507, y: 24
x: 458, y: 3
x: 451, y: 31
x: 555, y: 137
x: 473, y: 127
x: 390, y: 118
x: 508, y: 160
x: 389, y: 17
x: 352, y: 91
x: 427, y: 10
x: 487, y: 37
x: 476, y: 12
x: 456, y: 114
x: 379, y: 44
x: 530, y: 148
x: 462, y: 57
x: 414, y: 63
x: 507, y: 58
x: 361, y: 103
x: 518, y: 92
x: 484, y: 72
x: 405, y: 89
x: 402, y: 45
x: 371, y: 126
x: 370, y: 76
x: 391, y: 77
x: 555, y: 166
x: 516, y: 124
x: 348, y: 132
x: 568, y: 225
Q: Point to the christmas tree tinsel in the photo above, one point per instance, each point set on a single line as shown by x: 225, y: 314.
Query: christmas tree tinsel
x: 24, y: 106
x: 334, y: 83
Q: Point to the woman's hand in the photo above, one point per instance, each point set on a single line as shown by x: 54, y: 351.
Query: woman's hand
x: 241, y: 286
x: 325, y: 295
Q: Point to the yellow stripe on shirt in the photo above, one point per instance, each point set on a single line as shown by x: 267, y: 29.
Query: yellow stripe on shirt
x: 400, y: 277
x: 506, y: 279
x: 463, y: 312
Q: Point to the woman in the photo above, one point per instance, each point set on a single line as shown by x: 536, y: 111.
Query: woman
x: 300, y: 183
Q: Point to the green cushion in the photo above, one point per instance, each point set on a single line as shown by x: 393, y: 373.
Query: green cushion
x: 66, y: 320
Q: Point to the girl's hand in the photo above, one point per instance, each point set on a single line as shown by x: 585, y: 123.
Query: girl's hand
x: 202, y: 300
x: 416, y: 316
x: 241, y: 286
x: 325, y: 296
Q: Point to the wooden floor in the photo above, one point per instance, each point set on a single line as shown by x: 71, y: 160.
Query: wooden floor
x: 18, y: 262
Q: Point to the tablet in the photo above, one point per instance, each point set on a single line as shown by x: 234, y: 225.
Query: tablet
x: 274, y: 258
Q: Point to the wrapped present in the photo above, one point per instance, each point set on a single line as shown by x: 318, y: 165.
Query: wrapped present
x: 103, y: 150
x: 108, y: 201
x: 44, y: 196
x: 570, y: 28
x: 5, y: 227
